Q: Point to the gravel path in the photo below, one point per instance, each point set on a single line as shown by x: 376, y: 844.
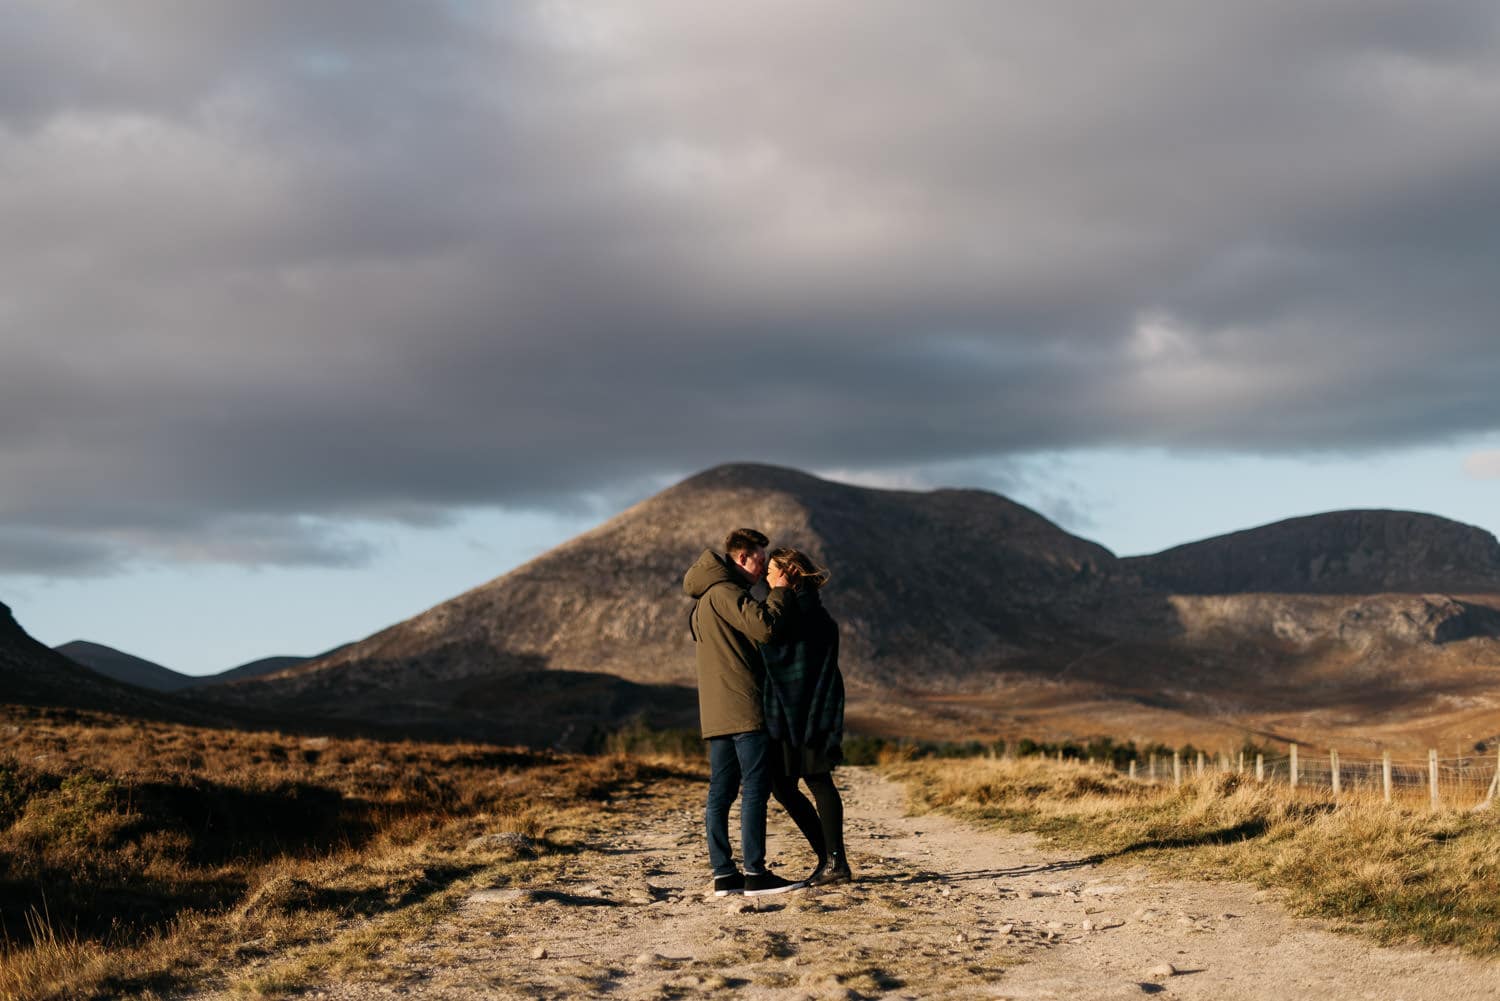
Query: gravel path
x: 940, y: 910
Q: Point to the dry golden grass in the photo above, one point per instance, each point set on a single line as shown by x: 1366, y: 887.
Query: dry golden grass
x: 1399, y: 872
x: 140, y: 857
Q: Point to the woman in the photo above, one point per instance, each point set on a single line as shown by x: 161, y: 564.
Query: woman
x: 804, y: 712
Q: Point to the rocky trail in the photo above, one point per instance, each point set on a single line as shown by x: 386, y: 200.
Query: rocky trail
x: 939, y: 909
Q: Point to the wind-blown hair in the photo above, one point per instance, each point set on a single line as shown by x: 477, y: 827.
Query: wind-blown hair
x: 802, y: 571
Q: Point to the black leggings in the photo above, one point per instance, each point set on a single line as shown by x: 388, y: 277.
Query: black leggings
x: 823, y: 827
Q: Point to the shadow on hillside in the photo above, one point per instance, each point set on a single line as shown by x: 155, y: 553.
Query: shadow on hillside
x: 522, y: 703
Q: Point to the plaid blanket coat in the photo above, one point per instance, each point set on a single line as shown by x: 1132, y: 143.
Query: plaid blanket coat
x: 803, y: 691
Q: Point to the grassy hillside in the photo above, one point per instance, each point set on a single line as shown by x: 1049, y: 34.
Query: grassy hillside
x: 149, y: 857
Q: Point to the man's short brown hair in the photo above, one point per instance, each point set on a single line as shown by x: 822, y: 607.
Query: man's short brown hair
x: 744, y: 540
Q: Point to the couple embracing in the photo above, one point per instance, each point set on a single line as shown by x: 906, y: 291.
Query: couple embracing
x: 771, y: 705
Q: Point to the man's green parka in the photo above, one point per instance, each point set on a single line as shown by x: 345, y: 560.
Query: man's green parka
x: 727, y: 624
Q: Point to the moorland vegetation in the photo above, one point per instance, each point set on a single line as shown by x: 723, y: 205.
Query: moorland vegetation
x: 140, y: 857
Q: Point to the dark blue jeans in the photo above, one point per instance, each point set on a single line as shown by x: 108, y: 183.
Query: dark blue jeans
x: 738, y: 762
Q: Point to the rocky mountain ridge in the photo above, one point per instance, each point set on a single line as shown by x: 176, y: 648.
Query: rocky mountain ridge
x: 1344, y: 552
x: 939, y: 593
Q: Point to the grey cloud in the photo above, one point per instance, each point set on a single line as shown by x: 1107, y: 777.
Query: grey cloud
x: 53, y: 554
x: 270, y: 266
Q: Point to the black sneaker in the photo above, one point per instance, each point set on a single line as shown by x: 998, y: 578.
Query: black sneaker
x: 761, y: 884
x: 725, y: 885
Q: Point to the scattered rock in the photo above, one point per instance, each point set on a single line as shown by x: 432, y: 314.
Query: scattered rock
x: 742, y: 907
x: 1088, y: 926
x: 649, y: 959
x: 1006, y: 929
x: 1162, y: 971
x: 540, y: 952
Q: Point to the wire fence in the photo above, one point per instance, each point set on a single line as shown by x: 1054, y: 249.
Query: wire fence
x: 1455, y: 782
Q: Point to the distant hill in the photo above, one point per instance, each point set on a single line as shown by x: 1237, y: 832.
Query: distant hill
x: 1344, y: 552
x: 32, y: 674
x: 134, y: 670
x: 125, y: 667
x: 253, y: 669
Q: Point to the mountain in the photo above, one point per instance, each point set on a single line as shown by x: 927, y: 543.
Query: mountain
x: 34, y: 675
x: 963, y: 614
x: 928, y: 583
x: 124, y: 667
x: 1346, y: 552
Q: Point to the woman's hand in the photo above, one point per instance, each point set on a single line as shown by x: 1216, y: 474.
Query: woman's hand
x: 776, y: 577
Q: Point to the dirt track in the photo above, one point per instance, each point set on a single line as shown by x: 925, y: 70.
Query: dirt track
x: 939, y: 910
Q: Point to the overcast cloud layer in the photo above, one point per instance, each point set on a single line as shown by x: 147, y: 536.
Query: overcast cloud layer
x: 272, y: 265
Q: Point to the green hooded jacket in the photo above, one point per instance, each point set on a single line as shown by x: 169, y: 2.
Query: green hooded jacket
x: 727, y: 623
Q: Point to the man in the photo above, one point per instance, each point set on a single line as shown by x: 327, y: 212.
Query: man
x: 727, y: 623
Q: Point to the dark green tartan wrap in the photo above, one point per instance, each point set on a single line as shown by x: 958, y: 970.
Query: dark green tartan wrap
x: 803, y: 691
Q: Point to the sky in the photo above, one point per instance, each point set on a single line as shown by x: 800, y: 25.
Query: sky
x: 315, y: 315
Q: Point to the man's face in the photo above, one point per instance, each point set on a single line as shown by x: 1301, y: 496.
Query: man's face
x: 753, y: 562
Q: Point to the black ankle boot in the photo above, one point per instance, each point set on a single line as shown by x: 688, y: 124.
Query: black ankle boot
x: 831, y: 871
x: 817, y: 873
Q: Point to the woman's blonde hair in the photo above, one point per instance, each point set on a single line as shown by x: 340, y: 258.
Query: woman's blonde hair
x: 795, y: 564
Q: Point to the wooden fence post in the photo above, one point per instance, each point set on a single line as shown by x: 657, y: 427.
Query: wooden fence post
x: 1385, y: 774
x: 1198, y: 773
x: 1260, y: 768
x: 1132, y: 769
x: 1494, y: 782
x: 1489, y: 796
x: 1333, y: 766
x: 1293, y: 766
x: 1432, y: 775
x: 1176, y: 769
x: 1153, y: 767
x: 1241, y: 769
